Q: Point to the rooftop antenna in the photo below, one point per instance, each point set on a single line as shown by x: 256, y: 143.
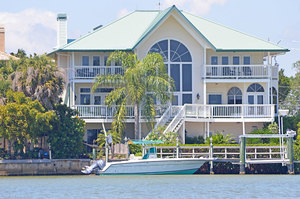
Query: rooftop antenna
x: 159, y: 5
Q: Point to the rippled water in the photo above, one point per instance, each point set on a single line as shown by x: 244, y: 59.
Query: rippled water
x: 194, y: 186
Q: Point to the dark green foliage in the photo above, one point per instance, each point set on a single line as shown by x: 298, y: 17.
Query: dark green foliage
x: 135, y: 148
x: 66, y: 138
x: 4, y: 87
x: 220, y: 138
x: 194, y: 140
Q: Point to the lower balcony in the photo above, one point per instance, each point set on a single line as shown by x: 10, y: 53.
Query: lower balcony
x: 192, y: 112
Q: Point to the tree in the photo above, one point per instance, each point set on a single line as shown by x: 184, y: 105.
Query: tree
x: 66, y: 137
x: 23, y: 120
x: 38, y: 77
x: 142, y: 81
x: 293, y: 99
x: 284, y: 85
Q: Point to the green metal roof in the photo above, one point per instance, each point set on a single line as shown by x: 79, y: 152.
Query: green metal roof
x: 227, y: 39
x: 127, y: 32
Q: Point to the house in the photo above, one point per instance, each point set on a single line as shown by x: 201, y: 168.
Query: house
x: 226, y: 81
x: 4, y: 56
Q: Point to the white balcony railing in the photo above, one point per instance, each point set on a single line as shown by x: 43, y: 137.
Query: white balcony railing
x: 192, y: 111
x: 105, y: 112
x: 240, y: 71
x: 229, y: 111
x: 90, y: 72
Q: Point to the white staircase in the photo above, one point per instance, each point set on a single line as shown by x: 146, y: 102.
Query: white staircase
x: 177, y: 121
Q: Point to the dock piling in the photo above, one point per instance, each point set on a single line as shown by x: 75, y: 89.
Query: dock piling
x: 242, y: 155
x: 211, y: 155
x: 290, y: 151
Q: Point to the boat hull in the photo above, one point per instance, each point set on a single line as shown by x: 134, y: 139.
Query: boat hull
x: 181, y: 166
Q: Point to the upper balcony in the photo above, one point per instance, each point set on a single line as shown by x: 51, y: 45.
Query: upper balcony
x: 90, y: 72
x: 241, y: 72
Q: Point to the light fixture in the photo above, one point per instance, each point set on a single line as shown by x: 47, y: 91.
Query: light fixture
x: 198, y: 96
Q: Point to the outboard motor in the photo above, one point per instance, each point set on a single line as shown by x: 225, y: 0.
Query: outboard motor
x: 100, y: 164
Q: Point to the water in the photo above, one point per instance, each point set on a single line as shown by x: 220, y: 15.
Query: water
x: 193, y: 186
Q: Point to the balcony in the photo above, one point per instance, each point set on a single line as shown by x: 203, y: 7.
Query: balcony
x: 198, y: 111
x: 107, y: 113
x: 90, y: 72
x: 192, y: 112
x: 240, y: 71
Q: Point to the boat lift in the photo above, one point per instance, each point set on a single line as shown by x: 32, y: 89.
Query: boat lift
x: 289, y: 161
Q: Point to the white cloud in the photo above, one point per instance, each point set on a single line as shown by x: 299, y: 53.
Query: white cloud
x: 32, y: 30
x: 199, y: 7
x: 122, y: 13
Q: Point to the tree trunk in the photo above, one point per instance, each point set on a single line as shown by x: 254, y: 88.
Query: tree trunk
x: 137, y: 134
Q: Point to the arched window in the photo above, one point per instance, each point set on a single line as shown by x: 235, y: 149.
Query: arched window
x: 178, y: 61
x: 235, y: 96
x: 255, y: 88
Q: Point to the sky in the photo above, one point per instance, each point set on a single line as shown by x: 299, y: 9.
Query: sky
x: 31, y: 24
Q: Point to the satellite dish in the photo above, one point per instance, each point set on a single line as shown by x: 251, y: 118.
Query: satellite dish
x: 109, y: 139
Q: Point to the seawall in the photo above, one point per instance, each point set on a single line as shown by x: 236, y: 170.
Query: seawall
x: 42, y: 167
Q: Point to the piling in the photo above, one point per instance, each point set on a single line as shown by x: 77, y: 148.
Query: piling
x: 211, y: 155
x: 290, y: 151
x: 242, y: 155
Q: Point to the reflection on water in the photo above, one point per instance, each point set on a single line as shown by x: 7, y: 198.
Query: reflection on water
x: 195, y: 186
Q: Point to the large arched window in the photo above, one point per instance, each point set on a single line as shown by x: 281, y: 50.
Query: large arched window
x: 178, y: 61
x: 235, y: 96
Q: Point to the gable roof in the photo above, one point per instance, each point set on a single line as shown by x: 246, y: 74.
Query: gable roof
x: 127, y: 32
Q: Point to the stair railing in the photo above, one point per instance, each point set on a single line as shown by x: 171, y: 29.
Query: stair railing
x: 180, y: 115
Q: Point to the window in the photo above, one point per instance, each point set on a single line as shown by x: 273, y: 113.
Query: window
x: 96, y: 61
x: 215, y: 99
x: 186, y: 77
x: 255, y: 88
x: 187, y: 99
x: 246, y: 60
x: 236, y: 60
x: 85, y: 61
x: 175, y: 74
x: 161, y: 48
x: 178, y: 52
x: 178, y: 62
x: 85, y: 99
x: 103, y: 90
x: 214, y: 60
x: 105, y: 60
x: 85, y: 90
x: 225, y: 60
x: 234, y: 96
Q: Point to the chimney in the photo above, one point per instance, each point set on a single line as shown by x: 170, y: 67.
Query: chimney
x: 62, y: 30
x: 2, y: 38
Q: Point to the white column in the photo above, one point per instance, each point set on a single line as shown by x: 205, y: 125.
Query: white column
x: 244, y: 129
x: 204, y: 92
x: 73, y: 76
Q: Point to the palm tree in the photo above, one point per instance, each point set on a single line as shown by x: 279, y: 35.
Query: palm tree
x: 142, y: 81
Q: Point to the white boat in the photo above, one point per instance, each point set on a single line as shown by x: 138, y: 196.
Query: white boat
x: 149, y: 165
x: 153, y: 167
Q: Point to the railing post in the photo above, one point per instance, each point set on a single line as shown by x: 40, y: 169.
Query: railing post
x: 242, y: 155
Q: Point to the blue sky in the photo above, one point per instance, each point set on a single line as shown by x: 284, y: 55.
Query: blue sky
x: 31, y: 24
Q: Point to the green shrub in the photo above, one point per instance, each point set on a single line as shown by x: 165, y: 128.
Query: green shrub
x: 135, y: 148
x: 194, y: 140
